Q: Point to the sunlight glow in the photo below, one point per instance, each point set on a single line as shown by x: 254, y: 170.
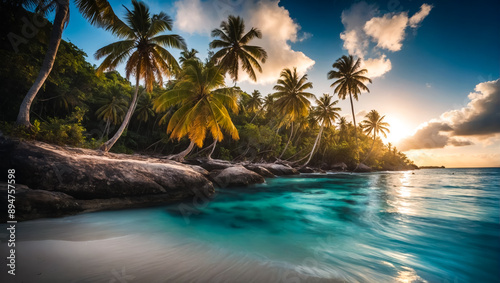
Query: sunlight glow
x: 398, y: 128
x: 402, y: 204
x: 408, y: 276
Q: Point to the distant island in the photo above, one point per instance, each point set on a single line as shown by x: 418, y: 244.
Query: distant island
x: 431, y: 167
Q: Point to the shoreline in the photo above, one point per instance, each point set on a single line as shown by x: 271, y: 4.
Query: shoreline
x: 55, y: 181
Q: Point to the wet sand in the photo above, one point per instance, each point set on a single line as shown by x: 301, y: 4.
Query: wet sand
x: 84, y: 254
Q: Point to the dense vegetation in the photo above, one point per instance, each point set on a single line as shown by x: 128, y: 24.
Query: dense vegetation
x: 79, y: 106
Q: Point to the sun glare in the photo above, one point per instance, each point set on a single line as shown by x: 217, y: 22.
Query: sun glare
x: 398, y: 130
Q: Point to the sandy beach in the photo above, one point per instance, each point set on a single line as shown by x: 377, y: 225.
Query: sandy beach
x: 86, y: 254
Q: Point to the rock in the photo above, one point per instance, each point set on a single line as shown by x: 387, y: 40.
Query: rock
x: 237, y: 176
x: 31, y: 204
x: 200, y: 170
x: 212, y: 164
x: 278, y: 169
x: 341, y: 166
x: 363, y: 168
x: 260, y: 170
x: 306, y: 170
x: 83, y: 174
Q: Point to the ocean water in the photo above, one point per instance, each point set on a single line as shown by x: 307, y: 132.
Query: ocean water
x: 430, y: 225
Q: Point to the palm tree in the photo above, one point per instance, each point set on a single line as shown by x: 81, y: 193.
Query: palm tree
x: 202, y: 100
x: 112, y: 111
x: 97, y: 12
x: 255, y: 102
x: 374, y: 124
x: 143, y: 50
x: 291, y: 100
x: 235, y: 50
x: 350, y: 80
x: 343, y: 126
x: 268, y: 103
x: 187, y: 55
x: 325, y: 113
x: 144, y: 108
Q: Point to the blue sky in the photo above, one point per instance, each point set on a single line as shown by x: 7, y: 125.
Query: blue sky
x: 438, y: 52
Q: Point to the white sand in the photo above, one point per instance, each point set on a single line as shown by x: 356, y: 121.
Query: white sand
x: 137, y: 258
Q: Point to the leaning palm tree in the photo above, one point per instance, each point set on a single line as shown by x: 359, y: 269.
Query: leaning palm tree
x: 97, y: 12
x: 291, y: 100
x: 325, y: 113
x: 203, y: 101
x: 235, y: 51
x: 374, y: 124
x: 144, y: 52
x: 350, y: 80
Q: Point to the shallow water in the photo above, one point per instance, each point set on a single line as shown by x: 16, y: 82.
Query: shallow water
x: 431, y: 225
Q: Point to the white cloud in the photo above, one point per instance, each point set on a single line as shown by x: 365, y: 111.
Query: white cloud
x: 194, y: 16
x: 479, y: 120
x: 278, y: 30
x: 387, y: 31
x: 420, y: 15
x: 304, y: 36
x: 377, y: 66
x: 355, y: 40
x: 481, y: 116
x: 363, y: 23
x: 354, y: 43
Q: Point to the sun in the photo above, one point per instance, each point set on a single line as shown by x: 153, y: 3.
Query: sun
x: 399, y: 130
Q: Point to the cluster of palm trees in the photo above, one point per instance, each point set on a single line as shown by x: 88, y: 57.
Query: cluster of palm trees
x: 198, y: 99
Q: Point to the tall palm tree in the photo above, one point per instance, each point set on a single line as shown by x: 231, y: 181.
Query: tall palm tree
x: 144, y: 52
x: 203, y: 101
x: 325, y: 113
x: 350, y: 80
x: 235, y: 51
x: 97, y: 12
x: 374, y: 124
x: 291, y: 99
x: 112, y: 111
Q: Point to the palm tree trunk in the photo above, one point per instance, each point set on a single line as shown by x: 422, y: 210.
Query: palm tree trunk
x: 314, y: 146
x: 256, y: 114
x: 62, y: 13
x: 289, y: 139
x: 209, y: 156
x: 109, y: 144
x: 106, y: 129
x: 181, y: 155
x: 355, y: 128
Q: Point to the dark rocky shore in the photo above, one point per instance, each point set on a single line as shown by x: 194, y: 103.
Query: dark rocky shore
x: 53, y: 181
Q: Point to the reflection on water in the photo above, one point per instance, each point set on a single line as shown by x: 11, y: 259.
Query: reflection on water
x: 422, y: 226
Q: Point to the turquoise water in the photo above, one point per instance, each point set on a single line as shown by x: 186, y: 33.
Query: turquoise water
x: 428, y: 225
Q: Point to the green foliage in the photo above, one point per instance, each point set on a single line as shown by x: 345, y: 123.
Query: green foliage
x: 67, y: 131
x: 225, y: 154
x: 261, y: 140
x: 75, y: 98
